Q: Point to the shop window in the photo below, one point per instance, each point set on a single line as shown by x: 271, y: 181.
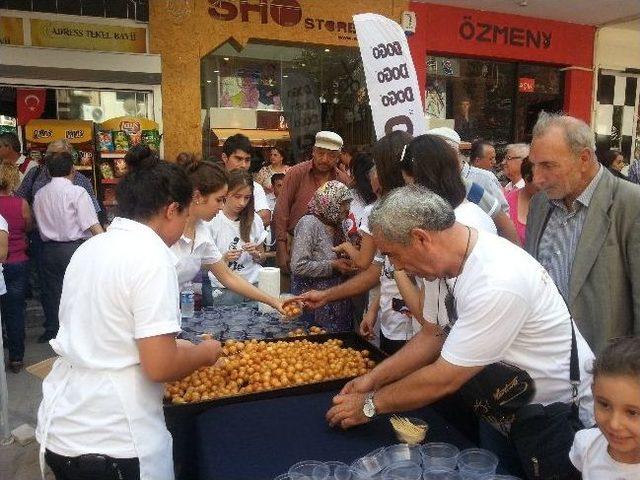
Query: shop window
x: 473, y: 96
x: 495, y: 101
x: 264, y: 89
x: 99, y: 106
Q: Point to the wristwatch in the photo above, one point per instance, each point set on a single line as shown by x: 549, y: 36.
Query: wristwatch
x: 369, y: 408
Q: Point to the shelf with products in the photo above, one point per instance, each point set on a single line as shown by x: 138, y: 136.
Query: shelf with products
x: 110, y: 154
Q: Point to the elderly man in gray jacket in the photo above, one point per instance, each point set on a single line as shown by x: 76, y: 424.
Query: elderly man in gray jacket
x: 584, y: 228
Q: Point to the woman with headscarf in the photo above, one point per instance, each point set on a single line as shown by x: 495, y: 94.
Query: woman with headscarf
x: 314, y: 264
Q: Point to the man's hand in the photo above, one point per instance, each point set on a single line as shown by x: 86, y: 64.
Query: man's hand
x: 283, y: 257
x: 362, y: 384
x: 314, y: 298
x: 347, y: 410
x: 343, y: 266
x: 346, y: 248
x: 232, y: 255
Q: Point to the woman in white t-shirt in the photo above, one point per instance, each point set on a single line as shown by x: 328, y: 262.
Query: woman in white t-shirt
x: 101, y: 414
x: 239, y: 234
x: 612, y: 450
x: 196, y: 249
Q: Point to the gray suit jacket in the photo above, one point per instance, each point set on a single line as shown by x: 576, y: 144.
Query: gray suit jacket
x: 604, y: 288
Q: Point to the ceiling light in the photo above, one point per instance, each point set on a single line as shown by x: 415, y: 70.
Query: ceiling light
x: 327, y: 50
x: 226, y: 59
x: 303, y: 64
x: 216, y: 71
x: 208, y: 81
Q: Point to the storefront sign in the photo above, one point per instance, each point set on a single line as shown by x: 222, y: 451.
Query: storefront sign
x: 11, y: 32
x: 87, y: 36
x: 392, y: 82
x: 46, y: 131
x: 503, y: 34
x: 285, y: 13
x: 526, y: 85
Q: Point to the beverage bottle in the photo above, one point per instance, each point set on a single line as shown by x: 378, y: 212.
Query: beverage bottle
x: 187, y: 301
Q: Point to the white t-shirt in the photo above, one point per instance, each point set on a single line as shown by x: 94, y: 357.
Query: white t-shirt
x: 433, y: 308
x: 226, y: 235
x: 510, y: 310
x: 259, y: 198
x: 352, y: 223
x: 192, y: 254
x: 4, y: 226
x: 119, y: 287
x: 589, y: 455
x: 393, y: 324
x: 364, y: 219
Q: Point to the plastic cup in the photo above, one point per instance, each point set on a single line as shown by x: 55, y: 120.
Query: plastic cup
x: 476, y: 464
x: 435, y: 473
x: 309, y: 470
x: 370, y: 464
x: 401, y: 452
x: 402, y: 471
x: 440, y: 455
x: 339, y: 471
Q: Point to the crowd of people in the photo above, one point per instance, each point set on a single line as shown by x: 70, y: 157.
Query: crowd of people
x: 469, y: 283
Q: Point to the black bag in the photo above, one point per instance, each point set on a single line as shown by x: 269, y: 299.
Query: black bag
x: 543, y: 435
x: 497, y: 393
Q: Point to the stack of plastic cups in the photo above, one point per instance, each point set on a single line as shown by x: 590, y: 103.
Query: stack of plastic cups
x: 439, y: 461
x: 477, y: 464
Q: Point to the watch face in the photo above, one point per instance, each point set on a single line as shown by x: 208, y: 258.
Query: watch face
x: 369, y: 409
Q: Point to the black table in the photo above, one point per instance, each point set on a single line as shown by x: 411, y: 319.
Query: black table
x: 261, y: 439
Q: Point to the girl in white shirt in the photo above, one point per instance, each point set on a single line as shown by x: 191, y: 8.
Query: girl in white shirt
x: 612, y: 451
x: 239, y: 234
x: 101, y: 414
x: 196, y: 249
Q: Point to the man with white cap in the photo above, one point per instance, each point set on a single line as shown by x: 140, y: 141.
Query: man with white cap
x: 300, y: 183
x: 482, y: 188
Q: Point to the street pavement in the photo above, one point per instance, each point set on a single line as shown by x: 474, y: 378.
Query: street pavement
x: 25, y: 392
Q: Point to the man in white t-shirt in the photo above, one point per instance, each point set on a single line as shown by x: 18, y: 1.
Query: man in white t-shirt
x: 235, y: 154
x: 506, y: 308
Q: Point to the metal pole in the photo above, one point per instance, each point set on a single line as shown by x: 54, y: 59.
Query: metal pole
x: 5, y: 432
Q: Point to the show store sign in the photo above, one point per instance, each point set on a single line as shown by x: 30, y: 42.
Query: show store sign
x: 392, y: 83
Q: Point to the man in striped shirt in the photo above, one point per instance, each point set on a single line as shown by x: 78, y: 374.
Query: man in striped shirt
x: 584, y: 228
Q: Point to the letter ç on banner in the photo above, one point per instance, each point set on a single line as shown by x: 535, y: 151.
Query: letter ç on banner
x: 392, y: 83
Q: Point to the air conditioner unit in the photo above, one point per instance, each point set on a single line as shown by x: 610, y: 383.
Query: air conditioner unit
x: 93, y: 113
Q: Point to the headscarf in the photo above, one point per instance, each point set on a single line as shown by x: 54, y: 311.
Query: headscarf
x: 325, y: 203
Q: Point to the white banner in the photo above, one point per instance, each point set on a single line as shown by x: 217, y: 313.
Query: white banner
x: 392, y: 82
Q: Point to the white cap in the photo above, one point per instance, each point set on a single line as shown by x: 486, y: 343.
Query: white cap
x: 328, y: 140
x: 449, y: 134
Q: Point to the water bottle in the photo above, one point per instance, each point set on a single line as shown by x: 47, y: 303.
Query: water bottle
x: 187, y: 301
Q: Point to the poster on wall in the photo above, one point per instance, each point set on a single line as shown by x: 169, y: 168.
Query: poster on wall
x: 392, y: 83
x: 302, y: 111
x: 252, y: 86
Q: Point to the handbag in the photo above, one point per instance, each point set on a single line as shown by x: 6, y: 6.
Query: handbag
x: 497, y: 393
x: 543, y: 435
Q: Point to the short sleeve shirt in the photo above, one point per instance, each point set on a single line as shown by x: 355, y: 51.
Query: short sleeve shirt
x: 510, y: 310
x: 260, y: 201
x: 129, y: 292
x: 192, y: 254
x: 589, y: 455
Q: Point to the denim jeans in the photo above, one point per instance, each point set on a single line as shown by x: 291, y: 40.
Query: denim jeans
x: 50, y: 313
x: 13, y: 305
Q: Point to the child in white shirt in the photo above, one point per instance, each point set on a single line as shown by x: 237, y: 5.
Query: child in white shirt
x: 239, y: 234
x: 612, y: 451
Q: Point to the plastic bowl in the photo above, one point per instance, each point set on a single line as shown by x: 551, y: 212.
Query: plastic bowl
x: 339, y: 471
x: 440, y: 455
x: 402, y: 471
x: 370, y: 464
x: 401, y: 452
x: 476, y: 463
x: 309, y: 470
x: 440, y: 474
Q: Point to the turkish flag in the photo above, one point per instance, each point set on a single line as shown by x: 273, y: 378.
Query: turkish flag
x: 31, y: 102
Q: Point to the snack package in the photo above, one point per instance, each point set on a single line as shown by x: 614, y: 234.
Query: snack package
x: 119, y: 167
x: 86, y: 158
x: 106, y: 170
x: 105, y: 141
x: 151, y: 138
x: 121, y: 141
x: 135, y: 138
